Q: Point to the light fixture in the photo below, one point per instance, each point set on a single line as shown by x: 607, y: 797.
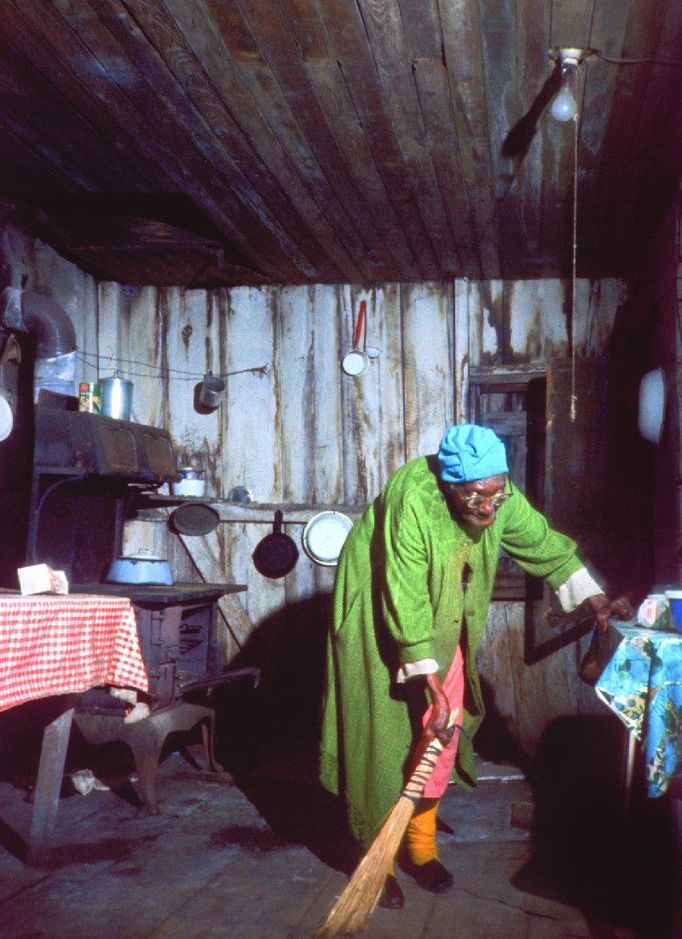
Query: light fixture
x: 564, y: 106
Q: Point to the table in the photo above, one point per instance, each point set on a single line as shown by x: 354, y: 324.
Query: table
x: 642, y: 685
x: 62, y: 645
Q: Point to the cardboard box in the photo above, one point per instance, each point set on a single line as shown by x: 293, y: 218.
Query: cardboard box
x: 39, y: 578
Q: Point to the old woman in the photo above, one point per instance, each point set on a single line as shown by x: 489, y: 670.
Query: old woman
x: 410, y: 605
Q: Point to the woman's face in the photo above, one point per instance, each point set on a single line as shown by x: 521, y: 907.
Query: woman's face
x: 476, y: 503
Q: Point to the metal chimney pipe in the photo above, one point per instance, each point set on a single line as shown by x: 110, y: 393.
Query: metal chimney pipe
x: 49, y: 323
x: 54, y: 334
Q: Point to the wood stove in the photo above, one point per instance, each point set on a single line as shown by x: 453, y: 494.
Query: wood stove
x: 177, y: 628
x: 88, y: 472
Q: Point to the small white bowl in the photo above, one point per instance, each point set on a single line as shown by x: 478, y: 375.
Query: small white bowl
x: 188, y: 487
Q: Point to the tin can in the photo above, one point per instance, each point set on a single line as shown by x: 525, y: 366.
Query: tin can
x: 89, y: 397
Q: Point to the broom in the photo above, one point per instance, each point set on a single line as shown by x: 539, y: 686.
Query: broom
x: 353, y: 907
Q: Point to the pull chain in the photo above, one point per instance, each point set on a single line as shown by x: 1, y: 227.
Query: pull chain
x: 574, y: 397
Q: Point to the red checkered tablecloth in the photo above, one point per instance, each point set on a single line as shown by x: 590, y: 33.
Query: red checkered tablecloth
x: 60, y: 645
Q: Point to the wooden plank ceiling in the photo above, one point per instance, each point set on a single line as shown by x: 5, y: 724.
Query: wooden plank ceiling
x: 224, y: 142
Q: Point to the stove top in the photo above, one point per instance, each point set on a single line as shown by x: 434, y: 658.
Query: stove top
x: 160, y: 593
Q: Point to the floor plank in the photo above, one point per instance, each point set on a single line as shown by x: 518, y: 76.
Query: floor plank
x: 264, y: 857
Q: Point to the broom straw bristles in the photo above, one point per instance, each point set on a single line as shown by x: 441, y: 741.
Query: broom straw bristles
x: 353, y: 907
x: 351, y: 910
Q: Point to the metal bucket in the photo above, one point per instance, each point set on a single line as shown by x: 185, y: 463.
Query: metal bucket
x: 117, y: 397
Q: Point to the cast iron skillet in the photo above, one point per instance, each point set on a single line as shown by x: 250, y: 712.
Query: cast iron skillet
x: 277, y: 553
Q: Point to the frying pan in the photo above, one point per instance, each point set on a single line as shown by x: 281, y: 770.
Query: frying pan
x: 193, y: 518
x: 277, y: 553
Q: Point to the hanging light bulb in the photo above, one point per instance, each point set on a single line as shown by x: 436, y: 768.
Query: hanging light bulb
x: 564, y: 106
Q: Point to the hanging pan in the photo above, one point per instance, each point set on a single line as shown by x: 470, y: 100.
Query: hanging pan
x: 324, y: 535
x: 277, y: 553
x: 193, y: 518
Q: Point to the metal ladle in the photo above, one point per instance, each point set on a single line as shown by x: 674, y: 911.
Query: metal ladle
x: 356, y: 362
x: 370, y: 351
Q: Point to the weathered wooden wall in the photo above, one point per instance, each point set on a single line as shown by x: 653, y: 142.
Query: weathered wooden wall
x: 295, y: 430
x: 529, y: 678
x: 656, y: 321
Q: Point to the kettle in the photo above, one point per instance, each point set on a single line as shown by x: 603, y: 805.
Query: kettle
x: 117, y: 397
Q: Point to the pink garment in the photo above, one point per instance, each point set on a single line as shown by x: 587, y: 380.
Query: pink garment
x: 453, y: 686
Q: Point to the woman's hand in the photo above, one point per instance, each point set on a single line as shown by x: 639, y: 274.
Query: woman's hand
x: 603, y: 608
x: 437, y: 725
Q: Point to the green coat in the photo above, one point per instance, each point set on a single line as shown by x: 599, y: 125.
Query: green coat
x: 398, y: 598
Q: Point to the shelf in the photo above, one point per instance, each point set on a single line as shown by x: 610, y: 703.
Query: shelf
x: 152, y: 507
x: 161, y: 593
x: 155, y: 499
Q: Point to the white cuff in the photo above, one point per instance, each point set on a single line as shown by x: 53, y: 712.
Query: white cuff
x: 411, y: 669
x: 577, y: 588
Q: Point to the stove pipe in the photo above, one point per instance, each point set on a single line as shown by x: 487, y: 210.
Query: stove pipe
x: 54, y: 334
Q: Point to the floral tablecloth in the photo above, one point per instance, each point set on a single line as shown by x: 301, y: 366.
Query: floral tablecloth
x: 642, y: 684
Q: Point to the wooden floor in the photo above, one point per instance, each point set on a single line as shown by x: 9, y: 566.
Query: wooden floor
x: 263, y: 855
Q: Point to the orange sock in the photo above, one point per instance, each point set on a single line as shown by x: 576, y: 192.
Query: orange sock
x: 421, y: 832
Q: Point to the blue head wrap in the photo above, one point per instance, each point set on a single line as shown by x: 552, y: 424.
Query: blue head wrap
x: 468, y: 452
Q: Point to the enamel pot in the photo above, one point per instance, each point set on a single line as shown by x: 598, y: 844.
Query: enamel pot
x: 140, y: 568
x: 277, y: 553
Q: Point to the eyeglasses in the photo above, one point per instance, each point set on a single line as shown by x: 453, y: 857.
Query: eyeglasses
x: 476, y: 501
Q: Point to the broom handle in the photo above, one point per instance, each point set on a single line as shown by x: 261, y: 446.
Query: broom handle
x: 414, y: 787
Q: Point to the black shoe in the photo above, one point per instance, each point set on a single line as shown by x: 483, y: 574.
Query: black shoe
x: 432, y: 876
x: 391, y: 896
